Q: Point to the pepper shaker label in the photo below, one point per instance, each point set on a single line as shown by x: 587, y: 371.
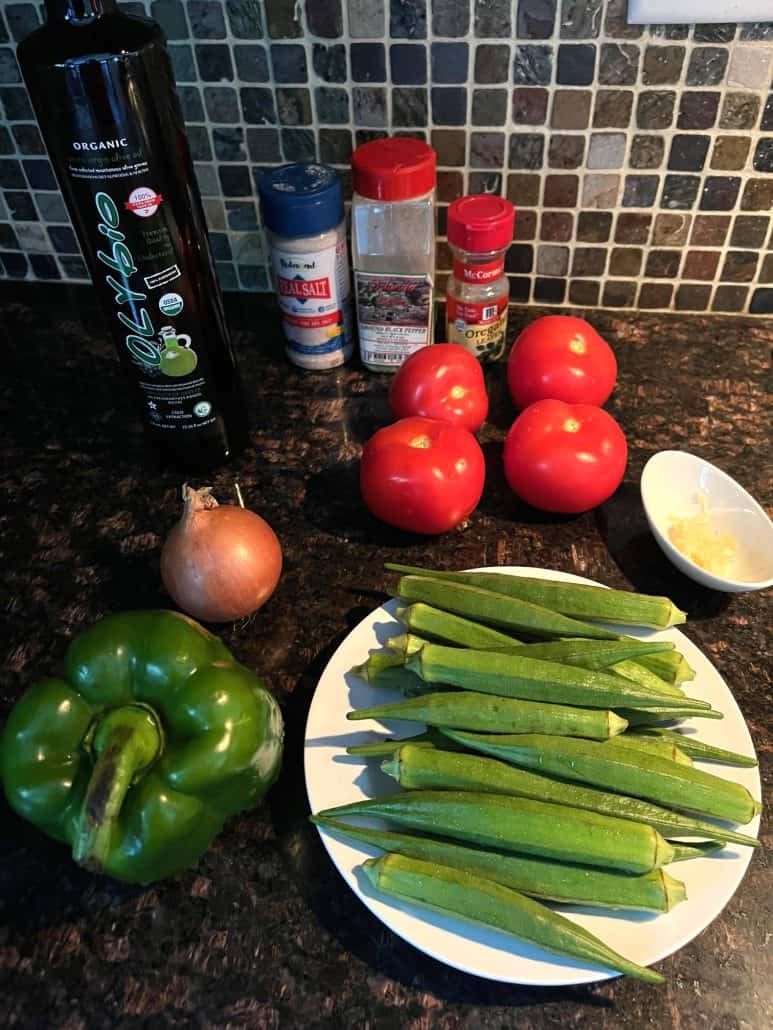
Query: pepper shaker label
x: 394, y: 314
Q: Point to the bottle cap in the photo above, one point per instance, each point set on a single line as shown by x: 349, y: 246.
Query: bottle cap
x: 301, y: 199
x: 481, y: 223
x: 396, y: 168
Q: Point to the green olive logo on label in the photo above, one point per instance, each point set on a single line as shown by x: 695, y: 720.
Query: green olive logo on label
x: 177, y: 359
x: 170, y: 304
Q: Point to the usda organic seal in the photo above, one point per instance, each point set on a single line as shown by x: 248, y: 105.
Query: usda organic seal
x: 170, y: 304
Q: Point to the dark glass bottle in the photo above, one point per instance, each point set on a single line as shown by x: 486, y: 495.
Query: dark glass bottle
x: 102, y: 86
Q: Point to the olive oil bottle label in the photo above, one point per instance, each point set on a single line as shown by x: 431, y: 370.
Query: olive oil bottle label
x: 123, y: 173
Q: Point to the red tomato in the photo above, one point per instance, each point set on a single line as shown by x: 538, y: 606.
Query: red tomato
x: 422, y: 475
x: 561, y: 357
x: 565, y: 457
x: 441, y: 381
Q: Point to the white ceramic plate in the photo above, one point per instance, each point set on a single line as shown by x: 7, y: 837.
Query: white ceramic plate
x: 334, y: 778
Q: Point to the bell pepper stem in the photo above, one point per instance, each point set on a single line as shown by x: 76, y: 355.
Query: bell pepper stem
x: 124, y: 743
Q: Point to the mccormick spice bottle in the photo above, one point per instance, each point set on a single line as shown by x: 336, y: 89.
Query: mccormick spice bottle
x: 303, y: 211
x: 393, y: 248
x: 480, y: 229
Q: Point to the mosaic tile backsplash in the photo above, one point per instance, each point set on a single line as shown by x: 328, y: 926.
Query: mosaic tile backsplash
x: 640, y: 159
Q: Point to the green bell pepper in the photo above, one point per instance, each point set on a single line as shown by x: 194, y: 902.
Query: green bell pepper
x: 153, y: 738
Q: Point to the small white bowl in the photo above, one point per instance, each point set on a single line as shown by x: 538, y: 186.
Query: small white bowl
x: 671, y: 485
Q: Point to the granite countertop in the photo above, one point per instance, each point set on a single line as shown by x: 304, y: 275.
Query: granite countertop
x: 264, y: 933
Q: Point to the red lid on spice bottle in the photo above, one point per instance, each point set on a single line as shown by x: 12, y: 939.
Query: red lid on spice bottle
x: 396, y: 168
x: 481, y: 223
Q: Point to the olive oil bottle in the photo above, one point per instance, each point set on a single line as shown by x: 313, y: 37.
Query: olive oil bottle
x: 102, y: 86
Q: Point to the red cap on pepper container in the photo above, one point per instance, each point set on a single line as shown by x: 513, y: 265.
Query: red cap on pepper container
x: 481, y: 223
x: 396, y: 168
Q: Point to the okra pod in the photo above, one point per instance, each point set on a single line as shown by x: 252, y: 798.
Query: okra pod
x: 685, y: 852
x: 626, y: 770
x: 475, y: 899
x: 386, y: 747
x: 433, y: 622
x: 464, y: 709
x: 391, y: 676
x: 538, y: 877
x: 578, y: 600
x: 657, y: 713
x: 646, y: 678
x: 692, y: 746
x: 672, y: 667
x: 522, y: 825
x: 578, y: 651
x: 507, y: 675
x: 652, y: 746
x: 442, y: 770
x: 494, y: 609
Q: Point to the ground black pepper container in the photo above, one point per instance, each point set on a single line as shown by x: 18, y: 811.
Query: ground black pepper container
x: 103, y: 90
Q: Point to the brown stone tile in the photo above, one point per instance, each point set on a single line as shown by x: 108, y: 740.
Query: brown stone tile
x: 730, y: 152
x: 525, y: 224
x: 443, y: 255
x: 663, y: 264
x: 700, y: 264
x: 646, y: 151
x: 612, y: 109
x: 450, y: 185
x: 566, y: 151
x: 739, y: 266
x: 739, y: 111
x: 549, y: 291
x: 625, y: 261
x: 662, y: 65
x: 556, y: 226
x: 757, y: 195
x: 450, y: 146
x: 618, y: 64
x: 523, y: 189
x: 766, y: 270
x: 594, y: 226
x: 530, y: 105
x: 552, y: 260
x: 655, y: 109
x: 616, y: 21
x: 588, y: 261
x: 730, y: 298
x: 560, y: 190
x: 571, y: 109
x: 671, y: 229
x: 584, y: 292
x: 749, y: 231
x: 720, y: 192
x: 600, y: 191
x: 698, y: 110
x: 618, y: 294
x: 655, y: 295
x: 632, y: 228
x: 710, y: 230
x: 692, y: 298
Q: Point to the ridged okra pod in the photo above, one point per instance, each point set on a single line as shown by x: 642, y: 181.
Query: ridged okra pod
x: 522, y: 825
x: 473, y: 898
x: 538, y: 877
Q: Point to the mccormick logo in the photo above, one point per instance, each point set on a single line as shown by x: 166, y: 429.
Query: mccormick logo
x: 305, y: 289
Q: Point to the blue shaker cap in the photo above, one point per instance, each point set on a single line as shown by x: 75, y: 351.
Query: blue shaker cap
x: 301, y: 199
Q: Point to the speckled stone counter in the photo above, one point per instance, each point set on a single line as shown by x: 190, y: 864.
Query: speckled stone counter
x: 264, y: 933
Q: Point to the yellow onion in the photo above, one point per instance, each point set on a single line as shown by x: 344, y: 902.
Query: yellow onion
x: 220, y: 562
